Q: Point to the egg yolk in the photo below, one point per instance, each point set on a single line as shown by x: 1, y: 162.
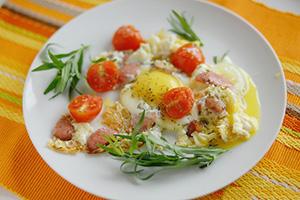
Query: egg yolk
x: 151, y: 85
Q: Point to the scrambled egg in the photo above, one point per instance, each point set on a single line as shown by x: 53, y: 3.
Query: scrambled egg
x: 160, y: 45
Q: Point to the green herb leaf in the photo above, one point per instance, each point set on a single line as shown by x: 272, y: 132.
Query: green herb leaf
x: 80, y: 60
x: 69, y: 68
x: 58, y: 63
x: 65, y: 74
x: 134, y: 141
x: 64, y: 55
x: 182, y: 27
x: 99, y: 60
x: 73, y: 84
x: 45, y: 66
x: 219, y: 59
x: 158, y: 153
x: 52, y: 85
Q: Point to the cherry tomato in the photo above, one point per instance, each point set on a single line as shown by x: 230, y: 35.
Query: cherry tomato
x: 178, y: 102
x: 103, y: 77
x: 85, y: 108
x: 127, y: 38
x: 187, y: 58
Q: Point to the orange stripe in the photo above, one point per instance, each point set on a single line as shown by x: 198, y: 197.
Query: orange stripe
x: 26, y: 23
x: 11, y: 93
x: 284, y: 156
x: 292, y: 123
x: 17, y: 52
x: 292, y: 76
x: 293, y: 99
x: 42, y: 10
x: 78, y: 3
x: 280, y: 28
x: 11, y: 106
x: 22, y: 169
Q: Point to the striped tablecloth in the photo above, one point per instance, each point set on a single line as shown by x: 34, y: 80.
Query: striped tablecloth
x: 25, y: 25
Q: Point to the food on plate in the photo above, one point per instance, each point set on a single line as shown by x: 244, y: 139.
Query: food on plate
x: 187, y: 58
x: 127, y: 37
x: 177, y: 102
x: 85, y: 108
x: 64, y: 130
x: 98, y: 137
x: 146, y: 89
x: 68, y: 67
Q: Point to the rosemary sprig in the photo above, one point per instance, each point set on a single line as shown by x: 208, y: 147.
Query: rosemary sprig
x: 68, y: 67
x: 157, y: 154
x: 183, y: 27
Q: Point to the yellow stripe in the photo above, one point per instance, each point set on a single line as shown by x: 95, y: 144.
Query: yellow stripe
x: 278, y: 172
x: 291, y: 61
x: 95, y: 2
x: 11, y: 115
x: 290, y: 65
x: 11, y: 85
x: 290, y: 131
x: 20, y: 39
x: 11, y: 71
x: 21, y: 31
x: 13, y: 66
x: 252, y: 186
x: 288, y: 140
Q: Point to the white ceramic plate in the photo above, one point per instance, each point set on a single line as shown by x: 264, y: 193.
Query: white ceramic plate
x: 220, y: 30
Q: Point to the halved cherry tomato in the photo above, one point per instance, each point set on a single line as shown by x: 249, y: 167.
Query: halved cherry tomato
x: 102, y: 77
x: 127, y: 38
x: 178, y: 102
x: 85, y: 108
x: 187, y: 58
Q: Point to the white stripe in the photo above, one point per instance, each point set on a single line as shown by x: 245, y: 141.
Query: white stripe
x: 17, y: 78
x: 283, y: 184
x: 37, y: 16
x: 293, y: 87
x: 60, y: 6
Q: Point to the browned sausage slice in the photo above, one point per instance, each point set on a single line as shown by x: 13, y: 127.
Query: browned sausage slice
x: 194, y: 126
x: 128, y: 72
x: 97, y: 138
x: 64, y: 129
x: 213, y: 78
x: 149, y: 120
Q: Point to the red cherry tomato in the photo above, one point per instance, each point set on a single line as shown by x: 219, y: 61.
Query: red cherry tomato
x: 85, y: 108
x: 178, y: 102
x: 127, y: 38
x: 187, y: 58
x: 103, y: 77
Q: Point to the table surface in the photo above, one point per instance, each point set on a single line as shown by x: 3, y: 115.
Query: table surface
x: 292, y: 6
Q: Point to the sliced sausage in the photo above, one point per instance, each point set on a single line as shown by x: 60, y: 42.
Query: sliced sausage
x: 213, y: 78
x: 64, y: 129
x: 149, y: 120
x: 128, y: 72
x: 98, y: 138
x: 194, y: 126
x: 215, y: 104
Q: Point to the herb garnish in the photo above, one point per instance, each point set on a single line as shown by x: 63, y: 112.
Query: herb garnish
x: 157, y: 153
x: 182, y: 27
x: 99, y: 60
x: 218, y: 59
x: 69, y: 68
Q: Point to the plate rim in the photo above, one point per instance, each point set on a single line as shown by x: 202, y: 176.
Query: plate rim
x: 219, y: 7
